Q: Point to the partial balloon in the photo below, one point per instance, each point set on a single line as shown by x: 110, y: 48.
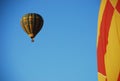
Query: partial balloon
x: 32, y: 23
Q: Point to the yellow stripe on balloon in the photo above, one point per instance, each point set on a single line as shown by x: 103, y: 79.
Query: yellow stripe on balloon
x: 113, y: 2
x: 101, y: 77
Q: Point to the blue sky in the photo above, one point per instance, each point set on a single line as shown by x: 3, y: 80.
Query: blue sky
x: 65, y: 48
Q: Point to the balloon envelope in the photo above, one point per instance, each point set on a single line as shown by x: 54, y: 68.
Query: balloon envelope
x: 32, y: 24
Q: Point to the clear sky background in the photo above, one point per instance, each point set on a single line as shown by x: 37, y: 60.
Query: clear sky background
x: 65, y: 48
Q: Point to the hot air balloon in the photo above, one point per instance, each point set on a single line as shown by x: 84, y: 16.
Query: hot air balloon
x: 32, y: 24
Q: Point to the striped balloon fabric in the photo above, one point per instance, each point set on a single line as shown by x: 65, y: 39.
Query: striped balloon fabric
x: 32, y: 24
x: 108, y: 41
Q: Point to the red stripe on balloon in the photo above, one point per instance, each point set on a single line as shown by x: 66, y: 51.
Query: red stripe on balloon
x: 118, y: 6
x: 118, y: 77
x: 103, y: 37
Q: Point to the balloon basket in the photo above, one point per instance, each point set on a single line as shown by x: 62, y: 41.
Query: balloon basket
x: 32, y: 40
